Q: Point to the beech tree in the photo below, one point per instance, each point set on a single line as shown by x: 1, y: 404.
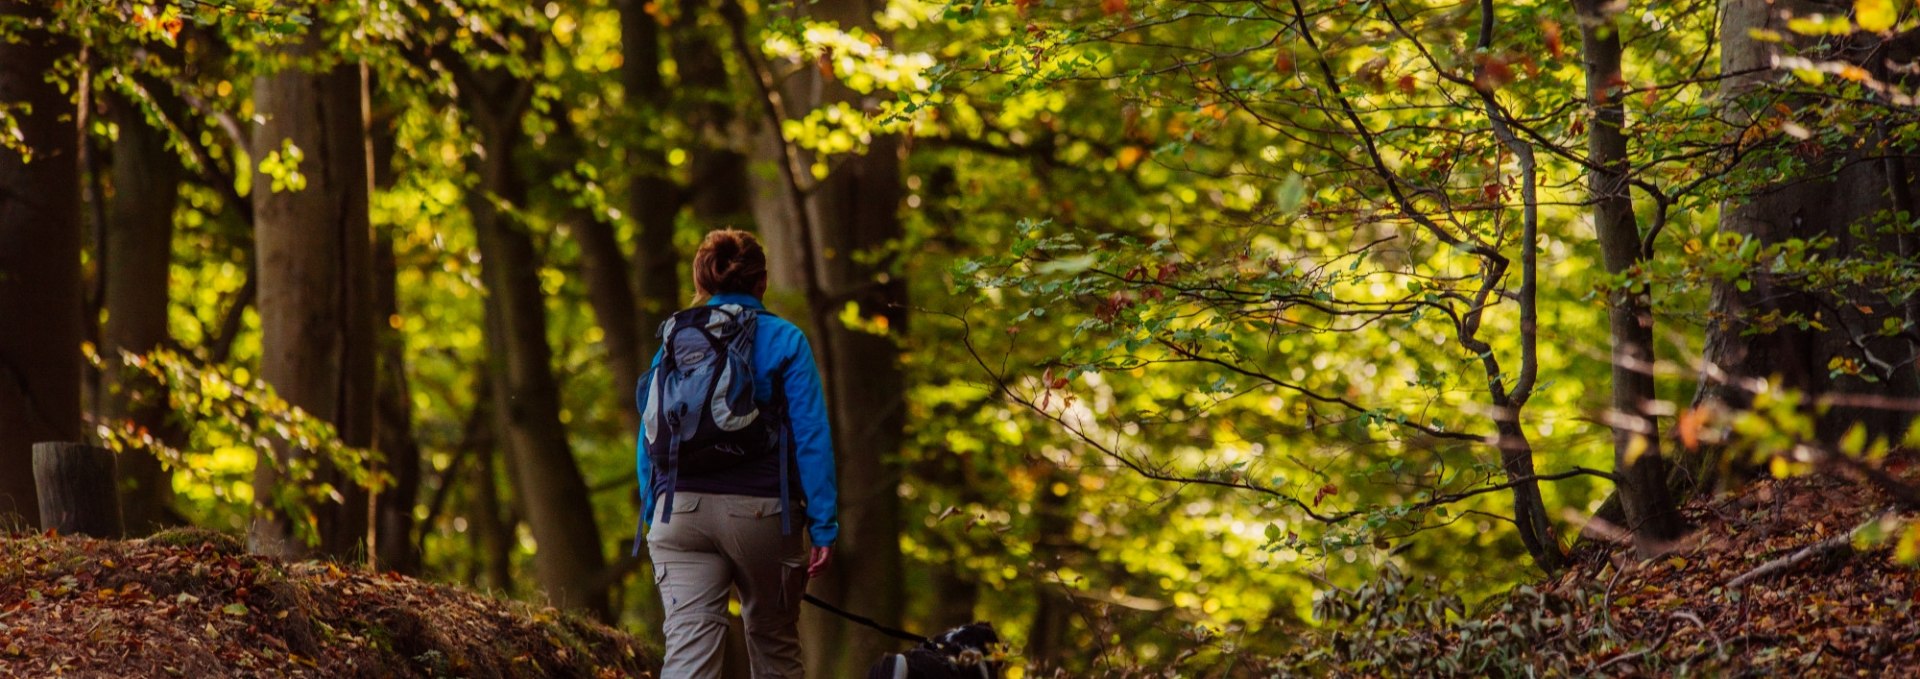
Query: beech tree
x: 314, y: 267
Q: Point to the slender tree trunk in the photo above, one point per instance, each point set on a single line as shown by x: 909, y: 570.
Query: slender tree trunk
x: 854, y: 210
x: 315, y: 288
x: 1840, y: 195
x: 610, y: 293
x: 492, y: 536
x: 394, y: 545
x: 399, y: 451
x: 139, y: 254
x: 654, y: 199
x: 1638, y: 464
x: 717, y: 161
x: 1047, y: 640
x: 1529, y: 508
x: 955, y: 591
x: 547, y: 480
x: 40, y: 241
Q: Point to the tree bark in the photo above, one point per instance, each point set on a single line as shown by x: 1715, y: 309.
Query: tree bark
x: 40, y: 241
x: 76, y: 484
x: 526, y: 398
x: 315, y: 289
x: 1639, y: 467
x: 716, y: 162
x: 400, y: 453
x: 395, y: 544
x: 139, y: 255
x: 492, y: 536
x: 1840, y: 190
x: 653, y: 198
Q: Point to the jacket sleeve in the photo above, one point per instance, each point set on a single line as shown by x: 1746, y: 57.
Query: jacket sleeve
x: 812, y: 443
x: 642, y: 466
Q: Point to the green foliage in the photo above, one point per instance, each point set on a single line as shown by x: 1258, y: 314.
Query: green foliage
x: 236, y: 422
x: 1401, y: 623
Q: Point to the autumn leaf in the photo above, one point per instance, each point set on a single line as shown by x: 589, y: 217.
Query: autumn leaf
x: 1112, y: 7
x: 1875, y: 15
x: 1493, y: 72
x: 1689, y: 427
x: 1555, y: 46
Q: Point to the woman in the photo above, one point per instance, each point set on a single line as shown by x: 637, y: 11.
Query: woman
x: 715, y: 526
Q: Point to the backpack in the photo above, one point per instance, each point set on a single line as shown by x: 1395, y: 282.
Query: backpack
x: 697, y: 403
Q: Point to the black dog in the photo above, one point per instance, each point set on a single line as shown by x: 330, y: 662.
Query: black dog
x: 965, y: 652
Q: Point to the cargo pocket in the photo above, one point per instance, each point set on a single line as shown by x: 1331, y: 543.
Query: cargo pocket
x: 793, y: 582
x: 660, y: 586
x: 757, y: 508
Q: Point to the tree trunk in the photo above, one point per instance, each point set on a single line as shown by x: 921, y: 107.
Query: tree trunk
x: 547, y: 480
x: 653, y: 199
x: 492, y: 536
x: 1048, y: 641
x: 315, y: 289
x: 399, y: 451
x: 1841, y: 190
x: 854, y: 210
x: 138, y: 256
x: 40, y: 240
x: 75, y: 484
x: 1529, y: 508
x: 1641, y: 470
x: 716, y: 162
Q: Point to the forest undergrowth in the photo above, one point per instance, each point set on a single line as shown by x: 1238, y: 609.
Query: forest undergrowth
x: 1798, y: 576
x: 193, y: 603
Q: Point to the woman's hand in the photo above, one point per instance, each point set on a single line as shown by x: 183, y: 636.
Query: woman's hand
x: 817, y: 561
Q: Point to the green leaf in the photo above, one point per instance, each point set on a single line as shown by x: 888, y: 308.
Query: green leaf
x: 235, y: 609
x: 1293, y: 190
x: 1066, y: 266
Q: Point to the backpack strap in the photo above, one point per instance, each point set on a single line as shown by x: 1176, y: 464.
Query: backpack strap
x: 783, y: 448
x: 673, y: 465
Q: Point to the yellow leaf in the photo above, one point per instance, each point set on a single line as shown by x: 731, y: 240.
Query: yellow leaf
x: 1908, y: 550
x: 1129, y: 156
x: 1636, y: 447
x: 1875, y: 15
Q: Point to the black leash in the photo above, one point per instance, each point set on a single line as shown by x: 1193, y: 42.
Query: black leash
x: 864, y: 620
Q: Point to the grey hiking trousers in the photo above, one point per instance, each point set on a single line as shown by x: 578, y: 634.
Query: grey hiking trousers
x: 717, y: 543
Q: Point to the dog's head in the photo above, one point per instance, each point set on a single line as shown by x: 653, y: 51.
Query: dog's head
x: 974, y: 646
x: 978, y: 636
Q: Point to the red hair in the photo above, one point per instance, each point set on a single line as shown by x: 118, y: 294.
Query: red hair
x: 729, y: 260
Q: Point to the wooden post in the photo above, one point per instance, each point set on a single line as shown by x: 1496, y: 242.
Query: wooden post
x: 76, y: 485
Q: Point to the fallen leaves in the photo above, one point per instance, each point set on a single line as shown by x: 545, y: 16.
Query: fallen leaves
x: 1838, y: 615
x: 198, y: 606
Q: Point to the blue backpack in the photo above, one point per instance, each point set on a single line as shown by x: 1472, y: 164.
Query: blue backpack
x: 697, y: 404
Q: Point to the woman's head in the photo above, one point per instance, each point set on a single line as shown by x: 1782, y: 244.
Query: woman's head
x: 729, y: 260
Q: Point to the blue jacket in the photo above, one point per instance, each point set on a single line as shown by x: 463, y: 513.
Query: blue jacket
x: 781, y: 354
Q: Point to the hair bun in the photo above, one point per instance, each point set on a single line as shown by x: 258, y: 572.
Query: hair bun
x: 729, y: 260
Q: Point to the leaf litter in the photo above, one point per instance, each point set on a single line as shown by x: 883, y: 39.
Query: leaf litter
x: 193, y: 603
